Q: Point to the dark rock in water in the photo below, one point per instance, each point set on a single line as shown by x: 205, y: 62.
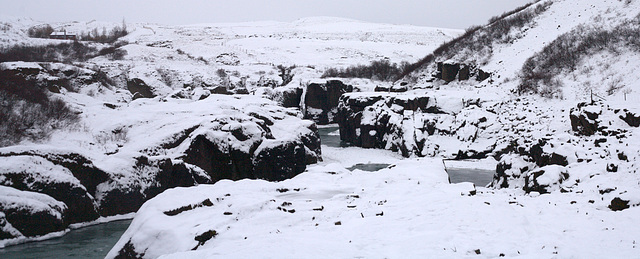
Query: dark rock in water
x: 55, y: 181
x: 618, y: 204
x: 279, y: 161
x: 138, y: 87
x: 321, y: 100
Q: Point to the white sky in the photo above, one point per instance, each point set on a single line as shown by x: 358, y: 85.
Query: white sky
x: 458, y: 14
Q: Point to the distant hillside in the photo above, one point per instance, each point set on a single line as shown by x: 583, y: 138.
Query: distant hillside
x: 547, y: 48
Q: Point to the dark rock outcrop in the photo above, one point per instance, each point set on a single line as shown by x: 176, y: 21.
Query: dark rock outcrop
x: 278, y: 161
x: 554, y: 176
x: 583, y: 122
x: 451, y: 71
x: 139, y: 88
x: 291, y: 97
x: 56, y: 182
x: 29, y: 214
x: 631, y: 118
x: 321, y: 100
x: 618, y: 204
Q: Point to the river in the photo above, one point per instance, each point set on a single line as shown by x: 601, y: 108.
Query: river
x: 87, y: 242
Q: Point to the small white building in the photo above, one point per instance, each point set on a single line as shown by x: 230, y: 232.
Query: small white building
x: 62, y: 35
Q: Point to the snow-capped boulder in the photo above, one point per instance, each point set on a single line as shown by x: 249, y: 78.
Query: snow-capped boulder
x: 80, y: 166
x: 24, y: 213
x: 36, y: 174
x: 509, y: 171
x: 545, y: 179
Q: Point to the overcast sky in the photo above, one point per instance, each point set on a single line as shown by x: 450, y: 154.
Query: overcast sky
x: 458, y: 14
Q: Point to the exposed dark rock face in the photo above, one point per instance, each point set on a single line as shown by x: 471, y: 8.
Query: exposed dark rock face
x: 321, y: 100
x: 121, y: 199
x: 291, y: 97
x: 29, y: 214
x: 376, y: 121
x: 631, y: 118
x: 451, y: 71
x: 279, y: 161
x: 582, y: 121
x: 543, y: 159
x: 52, y: 181
x: 138, y: 87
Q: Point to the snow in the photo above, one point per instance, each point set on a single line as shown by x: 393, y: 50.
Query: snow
x: 407, y: 210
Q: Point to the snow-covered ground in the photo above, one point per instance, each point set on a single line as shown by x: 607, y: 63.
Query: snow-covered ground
x: 408, y: 210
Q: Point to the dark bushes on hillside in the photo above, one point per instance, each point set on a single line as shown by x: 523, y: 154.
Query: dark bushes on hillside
x: 27, y: 111
x: 42, y: 31
x: 105, y: 36
x: 65, y: 52
x: 480, y: 39
x: 382, y: 70
x: 61, y: 52
x: 565, y: 53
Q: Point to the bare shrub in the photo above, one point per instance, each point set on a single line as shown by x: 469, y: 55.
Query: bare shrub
x: 61, y: 52
x: 105, y: 36
x: 565, y: 53
x: 480, y: 39
x: 27, y: 111
x: 382, y: 70
x: 41, y: 31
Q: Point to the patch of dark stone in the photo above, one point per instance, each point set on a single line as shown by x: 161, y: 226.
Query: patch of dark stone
x: 174, y: 212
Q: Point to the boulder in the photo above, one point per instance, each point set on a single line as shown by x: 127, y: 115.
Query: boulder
x: 631, y: 118
x: 139, y: 88
x: 36, y: 174
x: 509, y: 171
x: 24, y: 213
x: 279, y: 160
x: 449, y: 71
x: 545, y: 179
